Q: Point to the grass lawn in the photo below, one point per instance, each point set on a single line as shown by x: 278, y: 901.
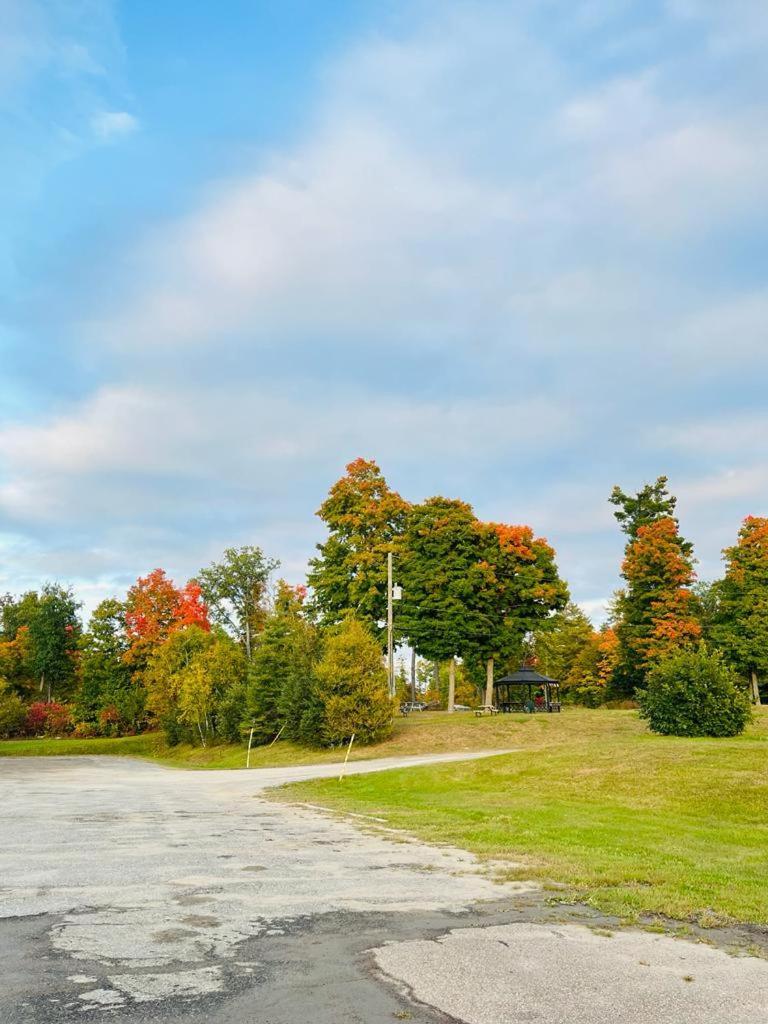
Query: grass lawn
x: 635, y: 823
x: 423, y: 733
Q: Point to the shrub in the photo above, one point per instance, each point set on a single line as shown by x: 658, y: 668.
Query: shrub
x: 47, y: 719
x: 85, y: 730
x: 58, y: 720
x: 109, y: 721
x: 12, y: 711
x: 694, y: 693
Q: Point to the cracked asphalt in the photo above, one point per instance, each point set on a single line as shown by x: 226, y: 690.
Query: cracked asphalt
x: 131, y: 892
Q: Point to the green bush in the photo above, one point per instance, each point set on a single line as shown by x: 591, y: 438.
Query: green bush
x: 13, y: 713
x: 694, y: 693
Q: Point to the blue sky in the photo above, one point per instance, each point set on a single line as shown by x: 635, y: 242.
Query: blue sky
x: 514, y: 251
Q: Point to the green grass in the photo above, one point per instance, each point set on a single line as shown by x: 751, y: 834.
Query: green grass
x: 419, y: 734
x: 635, y: 823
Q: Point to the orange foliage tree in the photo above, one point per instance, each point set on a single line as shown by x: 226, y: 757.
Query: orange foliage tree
x: 657, y: 608
x: 154, y: 609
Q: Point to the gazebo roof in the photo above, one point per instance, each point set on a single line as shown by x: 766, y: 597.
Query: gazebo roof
x: 525, y: 674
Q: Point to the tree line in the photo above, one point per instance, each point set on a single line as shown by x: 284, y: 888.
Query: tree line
x: 230, y: 650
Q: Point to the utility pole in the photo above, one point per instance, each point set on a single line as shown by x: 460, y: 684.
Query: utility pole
x: 390, y: 637
x: 393, y: 594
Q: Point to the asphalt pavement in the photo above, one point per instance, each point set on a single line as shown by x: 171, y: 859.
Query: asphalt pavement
x: 132, y: 892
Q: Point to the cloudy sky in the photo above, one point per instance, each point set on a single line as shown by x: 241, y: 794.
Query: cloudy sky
x: 515, y: 251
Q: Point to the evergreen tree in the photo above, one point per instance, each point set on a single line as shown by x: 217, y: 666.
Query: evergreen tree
x: 270, y: 670
x: 651, y: 503
x: 740, y: 625
x: 365, y: 521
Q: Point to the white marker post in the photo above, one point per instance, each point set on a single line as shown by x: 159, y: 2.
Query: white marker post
x: 248, y: 758
x: 344, y: 766
x: 277, y: 737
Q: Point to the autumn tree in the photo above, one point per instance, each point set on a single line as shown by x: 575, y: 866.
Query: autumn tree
x: 351, y: 687
x: 365, y: 520
x: 740, y: 625
x: 657, y: 608
x: 590, y: 674
x: 518, y: 589
x: 195, y: 683
x: 235, y: 590
x: 16, y: 661
x: 154, y: 609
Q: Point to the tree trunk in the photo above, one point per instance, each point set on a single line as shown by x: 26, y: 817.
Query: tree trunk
x: 451, y: 683
x: 755, y: 687
x: 488, y: 682
x: 413, y: 675
x: 247, y: 638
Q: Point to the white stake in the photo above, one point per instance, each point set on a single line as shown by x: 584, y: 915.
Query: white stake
x: 344, y: 766
x: 278, y: 735
x: 250, y: 741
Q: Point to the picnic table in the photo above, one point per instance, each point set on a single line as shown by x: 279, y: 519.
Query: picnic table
x: 486, y: 709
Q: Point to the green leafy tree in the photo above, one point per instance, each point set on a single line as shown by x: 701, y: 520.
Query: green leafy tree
x: 351, y: 687
x: 54, y: 630
x: 560, y: 641
x: 235, y: 590
x: 740, y: 625
x: 105, y: 676
x: 442, y: 575
x: 162, y: 676
x: 365, y: 521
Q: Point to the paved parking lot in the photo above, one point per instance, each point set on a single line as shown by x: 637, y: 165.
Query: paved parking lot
x: 132, y: 892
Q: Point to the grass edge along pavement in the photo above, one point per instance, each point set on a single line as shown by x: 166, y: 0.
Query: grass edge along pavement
x: 635, y: 822
x: 426, y: 733
x: 632, y: 823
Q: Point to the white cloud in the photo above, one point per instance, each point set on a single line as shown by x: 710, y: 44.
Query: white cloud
x: 112, y: 124
x: 130, y: 449
x: 478, y: 265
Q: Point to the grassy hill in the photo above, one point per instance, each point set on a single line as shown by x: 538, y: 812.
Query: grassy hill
x: 632, y: 822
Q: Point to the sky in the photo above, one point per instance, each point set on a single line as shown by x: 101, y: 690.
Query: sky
x: 517, y: 252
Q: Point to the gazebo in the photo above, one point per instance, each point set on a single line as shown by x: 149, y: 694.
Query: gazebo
x: 526, y: 690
